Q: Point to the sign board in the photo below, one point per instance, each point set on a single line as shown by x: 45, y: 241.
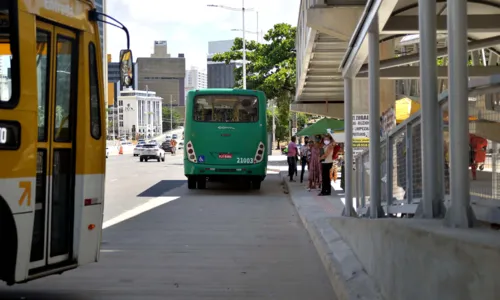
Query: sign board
x: 360, y: 132
x: 388, y: 121
x: 161, y: 43
x: 294, y: 131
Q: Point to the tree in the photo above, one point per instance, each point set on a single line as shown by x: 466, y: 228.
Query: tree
x: 167, y: 114
x: 270, y: 68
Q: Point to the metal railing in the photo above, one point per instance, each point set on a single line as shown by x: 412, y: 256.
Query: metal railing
x: 401, y: 167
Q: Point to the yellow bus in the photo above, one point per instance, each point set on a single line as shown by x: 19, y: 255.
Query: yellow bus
x: 52, y: 136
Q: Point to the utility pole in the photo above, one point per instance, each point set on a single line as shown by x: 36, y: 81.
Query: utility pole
x: 274, y: 125
x: 171, y: 113
x: 257, y: 32
x: 244, y: 47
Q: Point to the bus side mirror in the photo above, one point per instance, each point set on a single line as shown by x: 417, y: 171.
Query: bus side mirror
x: 126, y: 68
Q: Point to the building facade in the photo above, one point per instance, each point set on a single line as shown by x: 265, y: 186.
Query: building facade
x: 137, y: 114
x: 163, y: 74
x: 195, y: 79
x: 220, y: 74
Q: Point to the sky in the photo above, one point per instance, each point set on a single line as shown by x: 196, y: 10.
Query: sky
x: 188, y: 25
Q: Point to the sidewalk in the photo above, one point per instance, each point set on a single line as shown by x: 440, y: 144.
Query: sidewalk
x: 346, y: 274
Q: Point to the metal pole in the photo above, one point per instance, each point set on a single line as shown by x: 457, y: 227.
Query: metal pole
x: 257, y: 32
x: 171, y: 114
x: 274, y: 125
x: 244, y: 47
x: 113, y: 120
x: 348, y: 210
x: 430, y: 109
x: 460, y: 213
x: 494, y: 169
x: 374, y: 86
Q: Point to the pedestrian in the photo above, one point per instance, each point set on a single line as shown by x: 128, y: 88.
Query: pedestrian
x: 314, y: 166
x: 477, y: 152
x: 292, y: 158
x: 326, y: 165
x: 304, y: 149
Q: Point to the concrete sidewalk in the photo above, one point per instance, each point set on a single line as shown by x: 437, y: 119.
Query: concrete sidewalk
x: 346, y: 273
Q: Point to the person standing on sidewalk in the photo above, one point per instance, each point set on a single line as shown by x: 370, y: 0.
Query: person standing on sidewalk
x: 303, y: 157
x: 314, y: 166
x: 292, y: 158
x: 326, y: 165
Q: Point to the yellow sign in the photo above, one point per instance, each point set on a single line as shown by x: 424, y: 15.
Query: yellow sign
x: 26, y: 185
x: 360, y: 142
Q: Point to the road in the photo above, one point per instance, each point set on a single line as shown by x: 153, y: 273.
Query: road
x: 163, y: 241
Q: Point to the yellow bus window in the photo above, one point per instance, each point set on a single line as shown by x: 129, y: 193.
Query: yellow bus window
x: 63, y: 119
x: 42, y: 72
x: 5, y: 55
x: 95, y: 115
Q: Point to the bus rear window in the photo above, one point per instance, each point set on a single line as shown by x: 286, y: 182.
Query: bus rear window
x: 6, y: 55
x: 226, y: 109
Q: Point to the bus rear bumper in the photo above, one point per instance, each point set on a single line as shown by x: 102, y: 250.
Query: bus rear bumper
x: 191, y: 169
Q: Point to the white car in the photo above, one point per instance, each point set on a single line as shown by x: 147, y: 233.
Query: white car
x: 151, y: 151
x: 138, y: 149
x: 107, y: 151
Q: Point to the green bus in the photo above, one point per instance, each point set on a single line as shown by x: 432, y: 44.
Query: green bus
x: 225, y: 137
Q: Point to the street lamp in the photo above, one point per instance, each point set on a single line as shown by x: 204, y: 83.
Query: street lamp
x: 247, y: 31
x: 242, y: 9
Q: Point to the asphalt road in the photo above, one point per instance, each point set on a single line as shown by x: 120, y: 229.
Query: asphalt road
x: 222, y: 243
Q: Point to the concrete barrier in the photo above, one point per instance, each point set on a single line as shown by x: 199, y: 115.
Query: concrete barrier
x: 399, y: 259
x: 414, y: 259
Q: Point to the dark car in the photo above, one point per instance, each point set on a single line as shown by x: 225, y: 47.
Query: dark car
x: 174, y: 136
x: 166, y: 146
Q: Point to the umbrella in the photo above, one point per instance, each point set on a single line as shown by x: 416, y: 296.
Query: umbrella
x: 321, y: 127
x: 404, y: 108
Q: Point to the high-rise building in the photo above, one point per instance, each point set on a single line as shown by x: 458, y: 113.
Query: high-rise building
x: 164, y: 75
x: 161, y: 50
x: 219, y: 46
x: 195, y: 79
x: 100, y: 5
x: 220, y: 74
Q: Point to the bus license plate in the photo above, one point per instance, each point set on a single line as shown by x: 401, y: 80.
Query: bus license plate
x: 225, y: 155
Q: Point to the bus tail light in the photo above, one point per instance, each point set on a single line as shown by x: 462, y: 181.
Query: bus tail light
x: 259, y: 154
x: 191, y: 155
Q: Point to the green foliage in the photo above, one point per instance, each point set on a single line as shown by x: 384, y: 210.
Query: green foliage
x: 176, y: 117
x: 302, y: 120
x: 443, y: 61
x: 270, y: 65
x: 271, y: 68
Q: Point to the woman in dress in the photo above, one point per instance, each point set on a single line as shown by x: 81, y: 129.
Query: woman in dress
x: 314, y: 165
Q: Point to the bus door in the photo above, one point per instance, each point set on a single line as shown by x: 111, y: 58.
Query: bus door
x: 56, y: 72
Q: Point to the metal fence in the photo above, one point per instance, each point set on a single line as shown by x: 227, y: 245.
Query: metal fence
x: 401, y: 163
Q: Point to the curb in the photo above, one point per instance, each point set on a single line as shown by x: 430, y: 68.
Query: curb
x: 346, y: 274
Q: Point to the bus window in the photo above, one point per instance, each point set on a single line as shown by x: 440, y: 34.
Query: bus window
x: 95, y: 114
x: 42, y: 73
x: 226, y: 109
x: 6, y: 57
x: 64, y: 94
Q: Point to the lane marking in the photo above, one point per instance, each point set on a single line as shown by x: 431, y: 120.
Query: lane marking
x: 152, y: 203
x: 112, y: 180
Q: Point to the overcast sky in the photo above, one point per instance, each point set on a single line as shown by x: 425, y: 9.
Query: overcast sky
x: 188, y: 25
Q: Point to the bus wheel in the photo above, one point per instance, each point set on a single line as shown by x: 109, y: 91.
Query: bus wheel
x: 202, y: 183
x: 191, y: 183
x: 256, y: 184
